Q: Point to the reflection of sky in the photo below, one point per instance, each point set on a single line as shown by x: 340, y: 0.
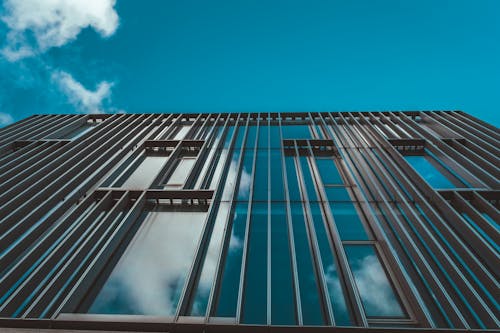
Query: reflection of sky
x: 428, y: 172
x: 374, y: 288
x: 149, y: 277
x: 245, y: 181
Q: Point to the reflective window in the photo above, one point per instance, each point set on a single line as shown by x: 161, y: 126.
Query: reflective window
x: 429, y: 172
x: 181, y: 172
x: 282, y: 288
x: 337, y: 193
x: 296, y: 132
x: 347, y: 221
x: 206, y: 280
x: 255, y: 289
x: 150, y: 275
x: 181, y: 133
x: 145, y: 172
x: 228, y: 294
x: 308, y: 284
x: 375, y: 290
x: 329, y: 172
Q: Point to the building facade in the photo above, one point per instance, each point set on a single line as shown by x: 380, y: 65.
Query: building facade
x: 250, y: 221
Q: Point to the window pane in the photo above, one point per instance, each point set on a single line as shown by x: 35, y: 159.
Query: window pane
x: 277, y: 187
x: 296, y: 132
x: 282, y: 295
x: 428, y: 172
x: 337, y: 193
x: 150, y: 276
x: 145, y: 173
x: 199, y: 306
x: 291, y: 173
x: 181, y: 133
x: 246, y: 176
x: 347, y: 221
x: 375, y: 290
x: 228, y: 296
x: 335, y: 291
x: 260, y: 188
x: 255, y: 292
x: 329, y: 172
x: 181, y: 172
x: 308, y: 284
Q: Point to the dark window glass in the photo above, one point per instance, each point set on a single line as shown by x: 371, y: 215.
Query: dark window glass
x: 296, y: 132
x: 329, y: 172
x: 375, y: 290
x: 260, y: 187
x: 308, y: 180
x: 347, y: 221
x: 282, y: 289
x: 275, y: 137
x: 255, y: 292
x: 149, y: 277
x: 308, y: 284
x: 251, y: 135
x: 228, y: 294
x: 263, y: 136
x: 293, y: 185
x: 337, y: 193
x: 277, y: 185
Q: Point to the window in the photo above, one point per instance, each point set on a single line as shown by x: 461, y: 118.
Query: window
x: 150, y: 275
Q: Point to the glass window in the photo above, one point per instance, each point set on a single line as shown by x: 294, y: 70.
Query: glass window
x: 149, y: 277
x: 282, y: 295
x: 260, y: 187
x: 200, y: 299
x: 375, y: 290
x: 293, y: 185
x: 296, y: 131
x: 347, y: 221
x: 333, y: 284
x: 329, y: 172
x: 229, y: 285
x: 277, y: 184
x: 145, y: 172
x: 72, y: 134
x: 308, y: 284
x: 246, y: 176
x: 255, y: 291
x: 181, y: 133
x: 337, y: 193
x: 429, y: 172
x: 181, y: 172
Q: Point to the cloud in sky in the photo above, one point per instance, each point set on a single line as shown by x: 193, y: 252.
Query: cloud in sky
x: 84, y: 100
x: 5, y: 119
x: 37, y: 25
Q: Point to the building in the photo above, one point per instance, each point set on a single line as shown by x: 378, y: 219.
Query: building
x: 250, y: 222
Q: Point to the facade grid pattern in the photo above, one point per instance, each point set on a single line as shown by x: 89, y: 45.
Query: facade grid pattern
x: 373, y: 221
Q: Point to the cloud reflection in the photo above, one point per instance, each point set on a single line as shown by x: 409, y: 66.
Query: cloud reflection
x: 149, y: 278
x: 374, y: 288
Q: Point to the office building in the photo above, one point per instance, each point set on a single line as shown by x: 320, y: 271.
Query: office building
x: 274, y: 222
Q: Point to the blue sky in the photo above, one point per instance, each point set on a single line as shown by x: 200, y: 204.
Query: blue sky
x: 71, y: 56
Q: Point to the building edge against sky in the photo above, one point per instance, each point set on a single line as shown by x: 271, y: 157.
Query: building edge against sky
x: 250, y: 221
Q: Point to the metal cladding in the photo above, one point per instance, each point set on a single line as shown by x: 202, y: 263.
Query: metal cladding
x: 369, y: 221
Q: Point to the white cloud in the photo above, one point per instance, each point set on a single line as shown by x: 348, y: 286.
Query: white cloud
x: 5, y: 119
x: 53, y: 23
x: 85, y: 100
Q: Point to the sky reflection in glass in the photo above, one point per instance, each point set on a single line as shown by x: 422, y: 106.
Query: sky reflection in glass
x: 376, y: 292
x: 150, y: 275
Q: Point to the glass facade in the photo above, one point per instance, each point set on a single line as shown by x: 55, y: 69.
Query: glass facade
x: 291, y: 219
